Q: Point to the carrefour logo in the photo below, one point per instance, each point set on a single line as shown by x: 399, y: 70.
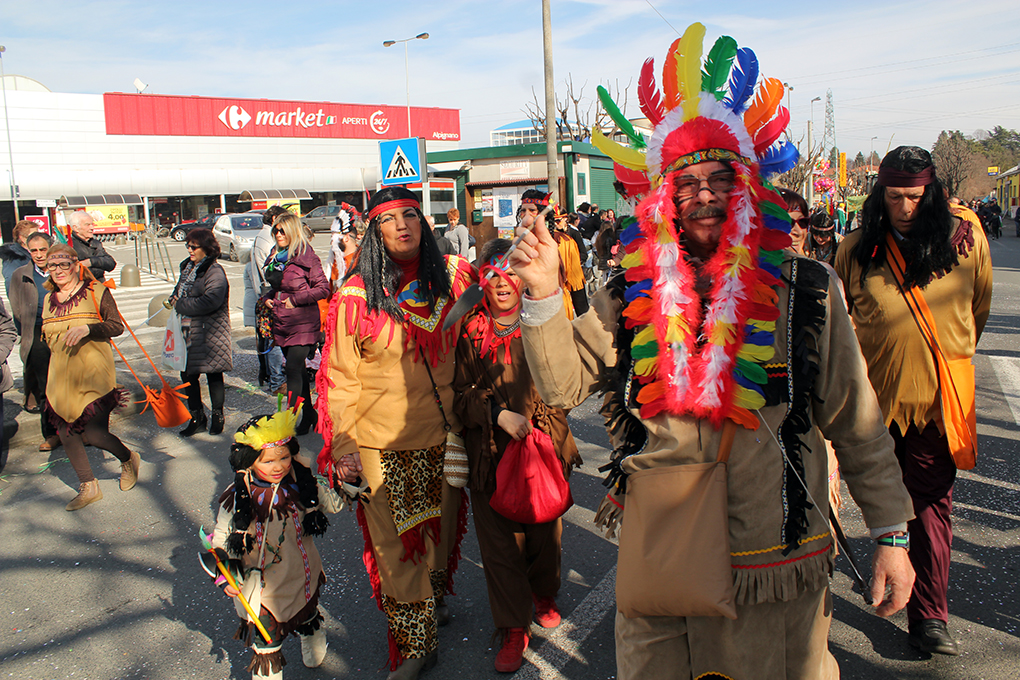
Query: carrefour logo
x: 234, y: 117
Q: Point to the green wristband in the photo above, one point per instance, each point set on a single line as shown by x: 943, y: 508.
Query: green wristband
x: 895, y: 541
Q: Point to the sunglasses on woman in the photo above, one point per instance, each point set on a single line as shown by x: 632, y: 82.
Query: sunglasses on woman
x: 276, y: 231
x: 803, y: 223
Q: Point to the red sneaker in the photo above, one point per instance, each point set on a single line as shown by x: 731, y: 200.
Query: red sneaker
x: 511, y: 654
x: 546, y: 612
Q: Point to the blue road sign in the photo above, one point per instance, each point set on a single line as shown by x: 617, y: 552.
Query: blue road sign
x: 400, y: 161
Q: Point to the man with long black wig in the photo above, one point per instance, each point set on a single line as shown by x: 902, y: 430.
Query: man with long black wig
x: 386, y: 402
x: 946, y: 259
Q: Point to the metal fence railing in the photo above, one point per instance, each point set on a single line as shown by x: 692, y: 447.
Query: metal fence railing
x: 151, y: 255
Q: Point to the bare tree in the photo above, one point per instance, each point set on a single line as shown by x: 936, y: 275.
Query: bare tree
x: 952, y: 157
x: 576, y: 114
x: 796, y: 177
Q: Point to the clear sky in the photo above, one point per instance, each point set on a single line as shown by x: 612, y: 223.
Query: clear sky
x: 897, y: 70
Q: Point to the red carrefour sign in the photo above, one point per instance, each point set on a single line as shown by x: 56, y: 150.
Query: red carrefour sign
x: 160, y: 115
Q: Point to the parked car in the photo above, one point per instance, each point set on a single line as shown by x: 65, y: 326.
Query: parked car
x: 236, y: 233
x: 321, y: 218
x: 180, y: 232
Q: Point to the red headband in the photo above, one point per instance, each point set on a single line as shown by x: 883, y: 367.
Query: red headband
x: 393, y: 205
x: 888, y: 177
x: 544, y: 201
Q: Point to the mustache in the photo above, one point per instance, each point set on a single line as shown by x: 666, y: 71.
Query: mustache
x: 706, y: 211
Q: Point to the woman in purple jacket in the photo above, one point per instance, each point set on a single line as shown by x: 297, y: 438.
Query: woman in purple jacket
x: 295, y: 274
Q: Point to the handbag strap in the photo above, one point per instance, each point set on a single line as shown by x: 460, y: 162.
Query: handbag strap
x: 729, y: 431
x: 435, y: 390
x: 914, y: 298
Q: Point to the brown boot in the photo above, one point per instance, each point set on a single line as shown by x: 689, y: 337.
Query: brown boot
x: 88, y: 492
x: 129, y: 472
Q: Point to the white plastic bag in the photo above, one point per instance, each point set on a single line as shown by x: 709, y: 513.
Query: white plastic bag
x: 175, y: 350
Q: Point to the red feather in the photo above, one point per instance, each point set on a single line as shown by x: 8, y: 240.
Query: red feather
x: 634, y: 181
x: 770, y: 132
x: 648, y: 93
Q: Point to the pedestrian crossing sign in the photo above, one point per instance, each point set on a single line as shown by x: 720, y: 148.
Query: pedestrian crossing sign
x: 401, y: 161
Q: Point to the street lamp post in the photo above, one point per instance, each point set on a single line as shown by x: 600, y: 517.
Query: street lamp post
x: 407, y: 74
x: 7, y: 125
x: 810, y: 192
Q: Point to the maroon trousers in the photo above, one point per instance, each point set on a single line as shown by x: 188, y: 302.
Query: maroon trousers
x: 928, y: 473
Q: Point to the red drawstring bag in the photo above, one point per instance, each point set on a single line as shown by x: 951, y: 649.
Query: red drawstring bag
x: 530, y: 487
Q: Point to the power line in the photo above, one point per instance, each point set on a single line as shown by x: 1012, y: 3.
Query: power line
x: 662, y: 17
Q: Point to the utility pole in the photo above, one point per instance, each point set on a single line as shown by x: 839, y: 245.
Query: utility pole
x: 550, y: 105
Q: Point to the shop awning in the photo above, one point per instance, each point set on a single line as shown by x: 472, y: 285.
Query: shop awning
x: 264, y: 194
x: 101, y: 199
x: 508, y: 182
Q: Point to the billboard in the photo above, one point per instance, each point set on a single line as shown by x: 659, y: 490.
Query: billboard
x: 163, y: 115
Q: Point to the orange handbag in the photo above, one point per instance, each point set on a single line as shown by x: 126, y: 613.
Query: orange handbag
x: 956, y: 376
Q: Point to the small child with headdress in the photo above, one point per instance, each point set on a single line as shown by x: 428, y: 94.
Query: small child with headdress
x: 266, y: 522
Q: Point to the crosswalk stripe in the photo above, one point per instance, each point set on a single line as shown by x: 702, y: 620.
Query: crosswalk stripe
x: 1007, y: 370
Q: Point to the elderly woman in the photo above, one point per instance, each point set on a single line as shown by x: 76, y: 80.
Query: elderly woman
x: 79, y: 317
x: 27, y: 292
x: 386, y: 399
x: 201, y: 298
x: 294, y: 273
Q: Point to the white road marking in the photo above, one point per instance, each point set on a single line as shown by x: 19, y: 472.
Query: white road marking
x: 1007, y: 370
x: 565, y: 644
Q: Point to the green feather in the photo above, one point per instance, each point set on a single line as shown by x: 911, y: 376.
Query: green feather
x: 774, y: 210
x: 752, y: 371
x: 646, y: 351
x: 636, y: 138
x: 773, y: 257
x: 717, y: 67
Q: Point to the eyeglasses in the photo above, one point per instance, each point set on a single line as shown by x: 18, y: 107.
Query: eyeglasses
x: 688, y: 186
x: 276, y: 231
x: 803, y: 222
x: 62, y: 266
x: 192, y: 246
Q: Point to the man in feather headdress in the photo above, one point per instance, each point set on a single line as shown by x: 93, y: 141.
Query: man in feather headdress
x: 948, y: 265
x: 713, y: 343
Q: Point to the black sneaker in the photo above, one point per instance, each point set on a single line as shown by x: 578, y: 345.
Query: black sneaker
x: 932, y: 636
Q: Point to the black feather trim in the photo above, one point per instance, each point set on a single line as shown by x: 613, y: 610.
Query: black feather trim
x: 806, y: 318
x: 314, y: 523
x: 623, y: 426
x: 239, y: 543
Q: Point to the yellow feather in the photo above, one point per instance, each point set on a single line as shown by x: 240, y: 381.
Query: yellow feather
x: 748, y: 399
x: 767, y: 326
x: 645, y: 335
x: 628, y: 158
x: 688, y: 72
x: 756, y: 353
x: 677, y: 329
x: 632, y: 259
x: 723, y: 334
x: 644, y: 367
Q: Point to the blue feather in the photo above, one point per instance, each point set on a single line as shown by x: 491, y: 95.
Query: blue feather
x: 637, y: 290
x: 630, y: 233
x: 742, y: 80
x: 759, y: 338
x: 778, y: 159
x: 745, y: 382
x: 773, y: 222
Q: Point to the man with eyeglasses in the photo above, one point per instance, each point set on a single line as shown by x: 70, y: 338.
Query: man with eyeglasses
x: 91, y: 252
x: 716, y: 343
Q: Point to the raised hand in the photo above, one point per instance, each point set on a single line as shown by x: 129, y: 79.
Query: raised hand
x: 537, y: 260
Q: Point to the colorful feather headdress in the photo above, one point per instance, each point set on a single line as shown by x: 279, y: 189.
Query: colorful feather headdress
x: 691, y: 359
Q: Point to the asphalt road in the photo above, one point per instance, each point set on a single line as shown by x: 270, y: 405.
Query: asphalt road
x: 115, y: 590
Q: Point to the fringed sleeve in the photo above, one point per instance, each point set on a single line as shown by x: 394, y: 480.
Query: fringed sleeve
x: 111, y: 325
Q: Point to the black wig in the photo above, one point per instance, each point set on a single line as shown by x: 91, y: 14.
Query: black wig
x: 381, y: 274
x: 928, y: 250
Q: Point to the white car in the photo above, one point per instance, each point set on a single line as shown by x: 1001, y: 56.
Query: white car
x: 236, y: 233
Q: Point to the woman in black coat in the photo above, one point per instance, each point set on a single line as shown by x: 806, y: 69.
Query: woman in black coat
x: 201, y: 299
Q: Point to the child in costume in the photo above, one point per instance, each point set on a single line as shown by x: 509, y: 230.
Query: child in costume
x: 497, y: 402
x: 266, y: 521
